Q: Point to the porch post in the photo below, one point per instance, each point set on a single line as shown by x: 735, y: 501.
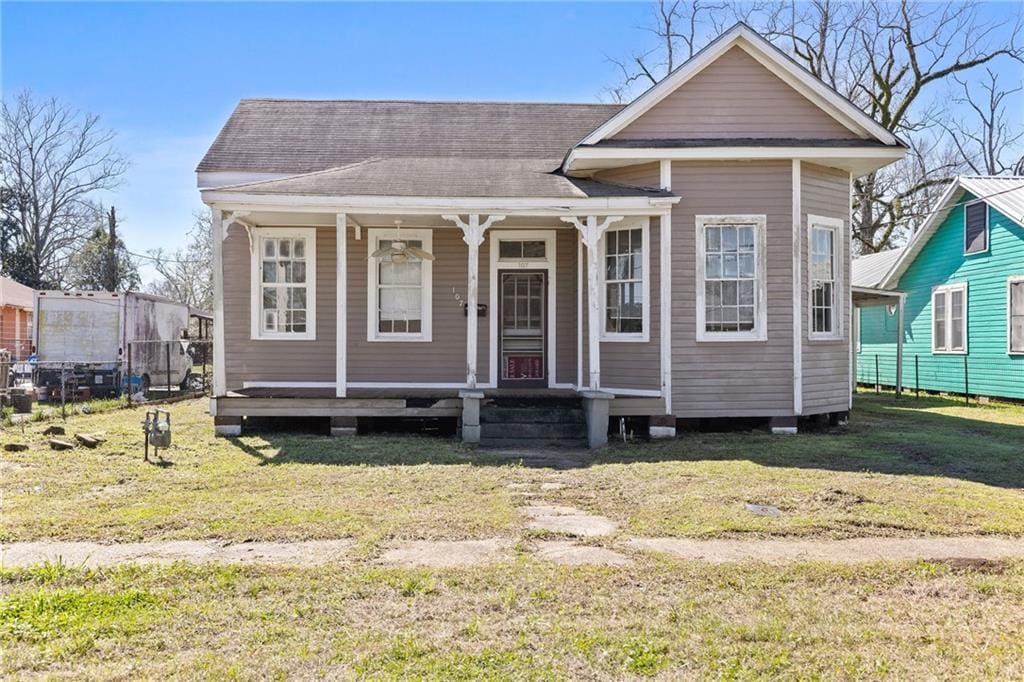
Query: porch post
x: 341, y: 307
x: 473, y: 235
x: 591, y: 233
x: 899, y: 346
x: 219, y: 230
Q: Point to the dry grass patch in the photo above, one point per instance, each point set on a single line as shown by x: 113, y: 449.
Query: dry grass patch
x: 518, y: 620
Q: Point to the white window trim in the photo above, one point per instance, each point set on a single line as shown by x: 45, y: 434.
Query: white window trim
x: 645, y: 238
x: 373, y: 237
x: 1010, y: 281
x: 509, y: 232
x: 836, y: 225
x: 988, y: 234
x: 256, y: 332
x: 760, y: 330
x: 948, y: 289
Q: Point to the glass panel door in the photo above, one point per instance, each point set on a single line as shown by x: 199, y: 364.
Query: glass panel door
x: 522, y: 329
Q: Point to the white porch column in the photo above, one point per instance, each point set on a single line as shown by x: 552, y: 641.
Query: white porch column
x: 341, y: 306
x: 473, y: 235
x: 665, y: 273
x: 219, y: 230
x: 591, y: 233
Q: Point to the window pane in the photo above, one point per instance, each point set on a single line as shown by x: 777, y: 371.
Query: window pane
x: 510, y: 249
x: 299, y: 249
x: 533, y: 249
x: 297, y: 298
x: 975, y: 233
x: 729, y: 265
x: 399, y: 303
x: 745, y: 239
x: 269, y: 248
x: 269, y: 297
x: 269, y: 272
x: 713, y: 266
x: 714, y: 239
x: 728, y: 239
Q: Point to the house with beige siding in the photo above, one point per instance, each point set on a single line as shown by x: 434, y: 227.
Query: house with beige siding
x: 543, y: 272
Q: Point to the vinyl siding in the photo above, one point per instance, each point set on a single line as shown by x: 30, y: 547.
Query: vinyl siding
x: 992, y: 370
x: 735, y: 379
x: 258, y: 360
x: 735, y: 97
x: 826, y: 363
x: 566, y: 292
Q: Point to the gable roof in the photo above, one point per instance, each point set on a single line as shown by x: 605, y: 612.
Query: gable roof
x: 772, y: 58
x: 870, y: 270
x: 15, y: 294
x: 301, y: 136
x: 1005, y: 194
x: 445, y: 176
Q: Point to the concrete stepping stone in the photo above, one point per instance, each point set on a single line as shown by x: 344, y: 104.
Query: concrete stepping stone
x: 568, y: 520
x: 568, y: 553
x: 448, y: 553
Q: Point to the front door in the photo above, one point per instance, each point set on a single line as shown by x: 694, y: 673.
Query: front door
x: 522, y: 328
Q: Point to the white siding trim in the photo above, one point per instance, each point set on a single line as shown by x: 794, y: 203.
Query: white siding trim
x: 645, y: 254
x: 760, y: 331
x: 836, y: 225
x: 341, y: 306
x: 854, y: 323
x: 1010, y: 281
x: 665, y: 242
x: 218, y: 230
x: 947, y: 289
x: 579, y: 308
x: 549, y: 262
x: 401, y: 384
x: 798, y: 358
x: 256, y: 332
x: 374, y: 235
x: 289, y: 384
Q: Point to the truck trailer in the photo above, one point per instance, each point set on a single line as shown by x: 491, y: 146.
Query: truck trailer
x: 97, y: 338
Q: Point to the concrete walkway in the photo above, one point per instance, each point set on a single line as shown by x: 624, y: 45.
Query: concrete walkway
x: 464, y: 553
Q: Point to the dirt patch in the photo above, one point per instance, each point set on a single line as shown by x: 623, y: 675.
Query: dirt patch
x: 94, y: 554
x: 570, y: 554
x: 568, y: 520
x: 448, y: 554
x: 967, y: 548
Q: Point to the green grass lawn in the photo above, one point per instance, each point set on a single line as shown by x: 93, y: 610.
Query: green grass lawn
x: 903, y: 468
x: 518, y: 620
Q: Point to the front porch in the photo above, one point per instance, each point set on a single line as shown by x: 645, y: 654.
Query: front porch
x: 545, y: 327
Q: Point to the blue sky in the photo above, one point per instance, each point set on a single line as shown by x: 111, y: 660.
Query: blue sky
x: 165, y: 76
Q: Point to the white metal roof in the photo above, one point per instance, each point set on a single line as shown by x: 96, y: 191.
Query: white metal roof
x: 1003, y: 193
x: 870, y: 270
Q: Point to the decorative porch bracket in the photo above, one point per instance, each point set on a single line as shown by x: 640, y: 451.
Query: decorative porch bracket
x: 236, y: 217
x: 590, y: 233
x: 473, y: 235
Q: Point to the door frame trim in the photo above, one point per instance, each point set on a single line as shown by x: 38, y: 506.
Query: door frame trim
x: 542, y: 382
x: 549, y: 237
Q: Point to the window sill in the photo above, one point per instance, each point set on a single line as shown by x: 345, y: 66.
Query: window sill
x: 727, y: 337
x: 815, y: 338
x: 283, y: 337
x: 398, y: 339
x: 625, y: 338
x: 948, y: 352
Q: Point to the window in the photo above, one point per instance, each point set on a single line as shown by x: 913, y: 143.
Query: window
x: 1016, y: 314
x: 284, y: 284
x: 731, y: 278
x: 522, y: 249
x: 976, y: 227
x: 823, y: 276
x: 949, y: 319
x: 626, y: 284
x: 399, y: 289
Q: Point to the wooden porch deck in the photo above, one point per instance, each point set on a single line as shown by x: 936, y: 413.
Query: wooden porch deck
x: 393, y: 402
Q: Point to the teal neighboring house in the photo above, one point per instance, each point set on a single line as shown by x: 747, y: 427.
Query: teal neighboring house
x: 962, y: 276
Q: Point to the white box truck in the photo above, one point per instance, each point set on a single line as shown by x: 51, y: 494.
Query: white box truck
x: 83, y: 338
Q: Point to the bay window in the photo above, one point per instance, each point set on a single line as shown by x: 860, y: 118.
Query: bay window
x: 731, y: 278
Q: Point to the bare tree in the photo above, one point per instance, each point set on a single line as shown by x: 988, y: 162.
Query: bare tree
x: 52, y: 159
x: 888, y: 59
x: 186, y: 275
x: 987, y: 141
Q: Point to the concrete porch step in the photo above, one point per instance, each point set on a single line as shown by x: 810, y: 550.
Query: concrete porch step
x: 525, y: 431
x: 505, y: 415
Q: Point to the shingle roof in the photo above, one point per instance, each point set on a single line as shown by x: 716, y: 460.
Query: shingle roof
x: 445, y: 176
x: 870, y: 270
x: 300, y: 136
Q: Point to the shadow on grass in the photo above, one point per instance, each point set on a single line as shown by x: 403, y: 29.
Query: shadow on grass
x: 885, y: 436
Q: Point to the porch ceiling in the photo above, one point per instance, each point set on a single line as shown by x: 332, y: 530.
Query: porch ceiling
x: 299, y: 219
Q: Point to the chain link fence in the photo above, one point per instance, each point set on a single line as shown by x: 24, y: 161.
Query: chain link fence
x: 967, y: 375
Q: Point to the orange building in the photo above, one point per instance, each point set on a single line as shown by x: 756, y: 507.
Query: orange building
x: 15, y: 318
